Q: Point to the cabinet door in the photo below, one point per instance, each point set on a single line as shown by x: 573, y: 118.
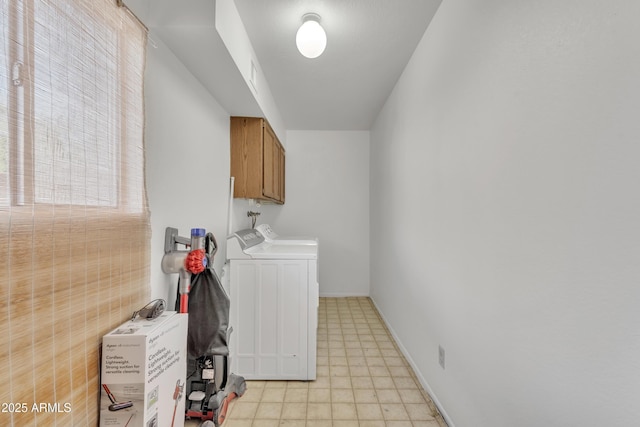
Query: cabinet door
x: 270, y: 316
x: 277, y: 172
x: 281, y: 174
x: 270, y: 157
x: 247, y: 156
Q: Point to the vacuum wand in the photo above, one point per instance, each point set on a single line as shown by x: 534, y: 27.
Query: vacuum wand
x: 185, y: 287
x: 184, y: 262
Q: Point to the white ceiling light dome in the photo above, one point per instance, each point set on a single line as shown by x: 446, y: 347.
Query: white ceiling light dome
x: 311, y: 38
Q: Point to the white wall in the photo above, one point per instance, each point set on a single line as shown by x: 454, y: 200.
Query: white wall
x: 187, y: 167
x: 505, y: 212
x: 327, y: 195
x: 187, y: 160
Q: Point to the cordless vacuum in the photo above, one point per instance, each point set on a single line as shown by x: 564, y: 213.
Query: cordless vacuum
x: 184, y: 262
x: 209, y: 385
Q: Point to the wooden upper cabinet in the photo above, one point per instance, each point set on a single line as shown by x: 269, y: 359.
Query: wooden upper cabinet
x: 257, y: 160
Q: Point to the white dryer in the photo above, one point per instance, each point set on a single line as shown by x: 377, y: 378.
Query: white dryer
x: 274, y: 296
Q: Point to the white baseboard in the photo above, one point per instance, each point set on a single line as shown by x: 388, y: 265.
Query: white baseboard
x: 421, y: 378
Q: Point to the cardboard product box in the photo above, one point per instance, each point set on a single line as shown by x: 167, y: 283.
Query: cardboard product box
x: 144, y: 363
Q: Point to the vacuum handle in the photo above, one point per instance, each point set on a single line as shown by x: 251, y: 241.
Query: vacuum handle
x: 209, y: 241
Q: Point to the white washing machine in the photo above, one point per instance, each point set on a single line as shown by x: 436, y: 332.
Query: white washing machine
x: 274, y: 295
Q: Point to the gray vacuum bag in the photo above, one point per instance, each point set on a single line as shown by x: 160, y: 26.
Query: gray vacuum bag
x: 208, y: 315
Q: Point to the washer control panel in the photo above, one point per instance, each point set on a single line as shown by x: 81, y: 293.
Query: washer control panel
x: 267, y: 231
x: 249, y: 237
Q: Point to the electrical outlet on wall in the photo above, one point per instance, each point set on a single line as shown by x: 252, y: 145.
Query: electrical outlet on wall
x: 441, y: 356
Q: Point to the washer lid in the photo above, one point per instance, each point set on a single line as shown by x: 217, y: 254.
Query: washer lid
x: 273, y: 251
x: 271, y: 237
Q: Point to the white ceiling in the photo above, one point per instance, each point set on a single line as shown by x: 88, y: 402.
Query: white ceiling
x: 369, y: 42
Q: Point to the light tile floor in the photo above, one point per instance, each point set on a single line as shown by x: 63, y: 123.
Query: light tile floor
x: 363, y: 380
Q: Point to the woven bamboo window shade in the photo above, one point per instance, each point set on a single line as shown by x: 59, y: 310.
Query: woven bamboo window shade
x: 74, y: 221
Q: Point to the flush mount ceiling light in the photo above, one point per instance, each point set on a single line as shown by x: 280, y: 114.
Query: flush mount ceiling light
x: 311, y: 38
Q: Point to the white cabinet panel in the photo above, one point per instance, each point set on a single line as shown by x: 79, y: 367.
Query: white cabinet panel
x: 274, y: 322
